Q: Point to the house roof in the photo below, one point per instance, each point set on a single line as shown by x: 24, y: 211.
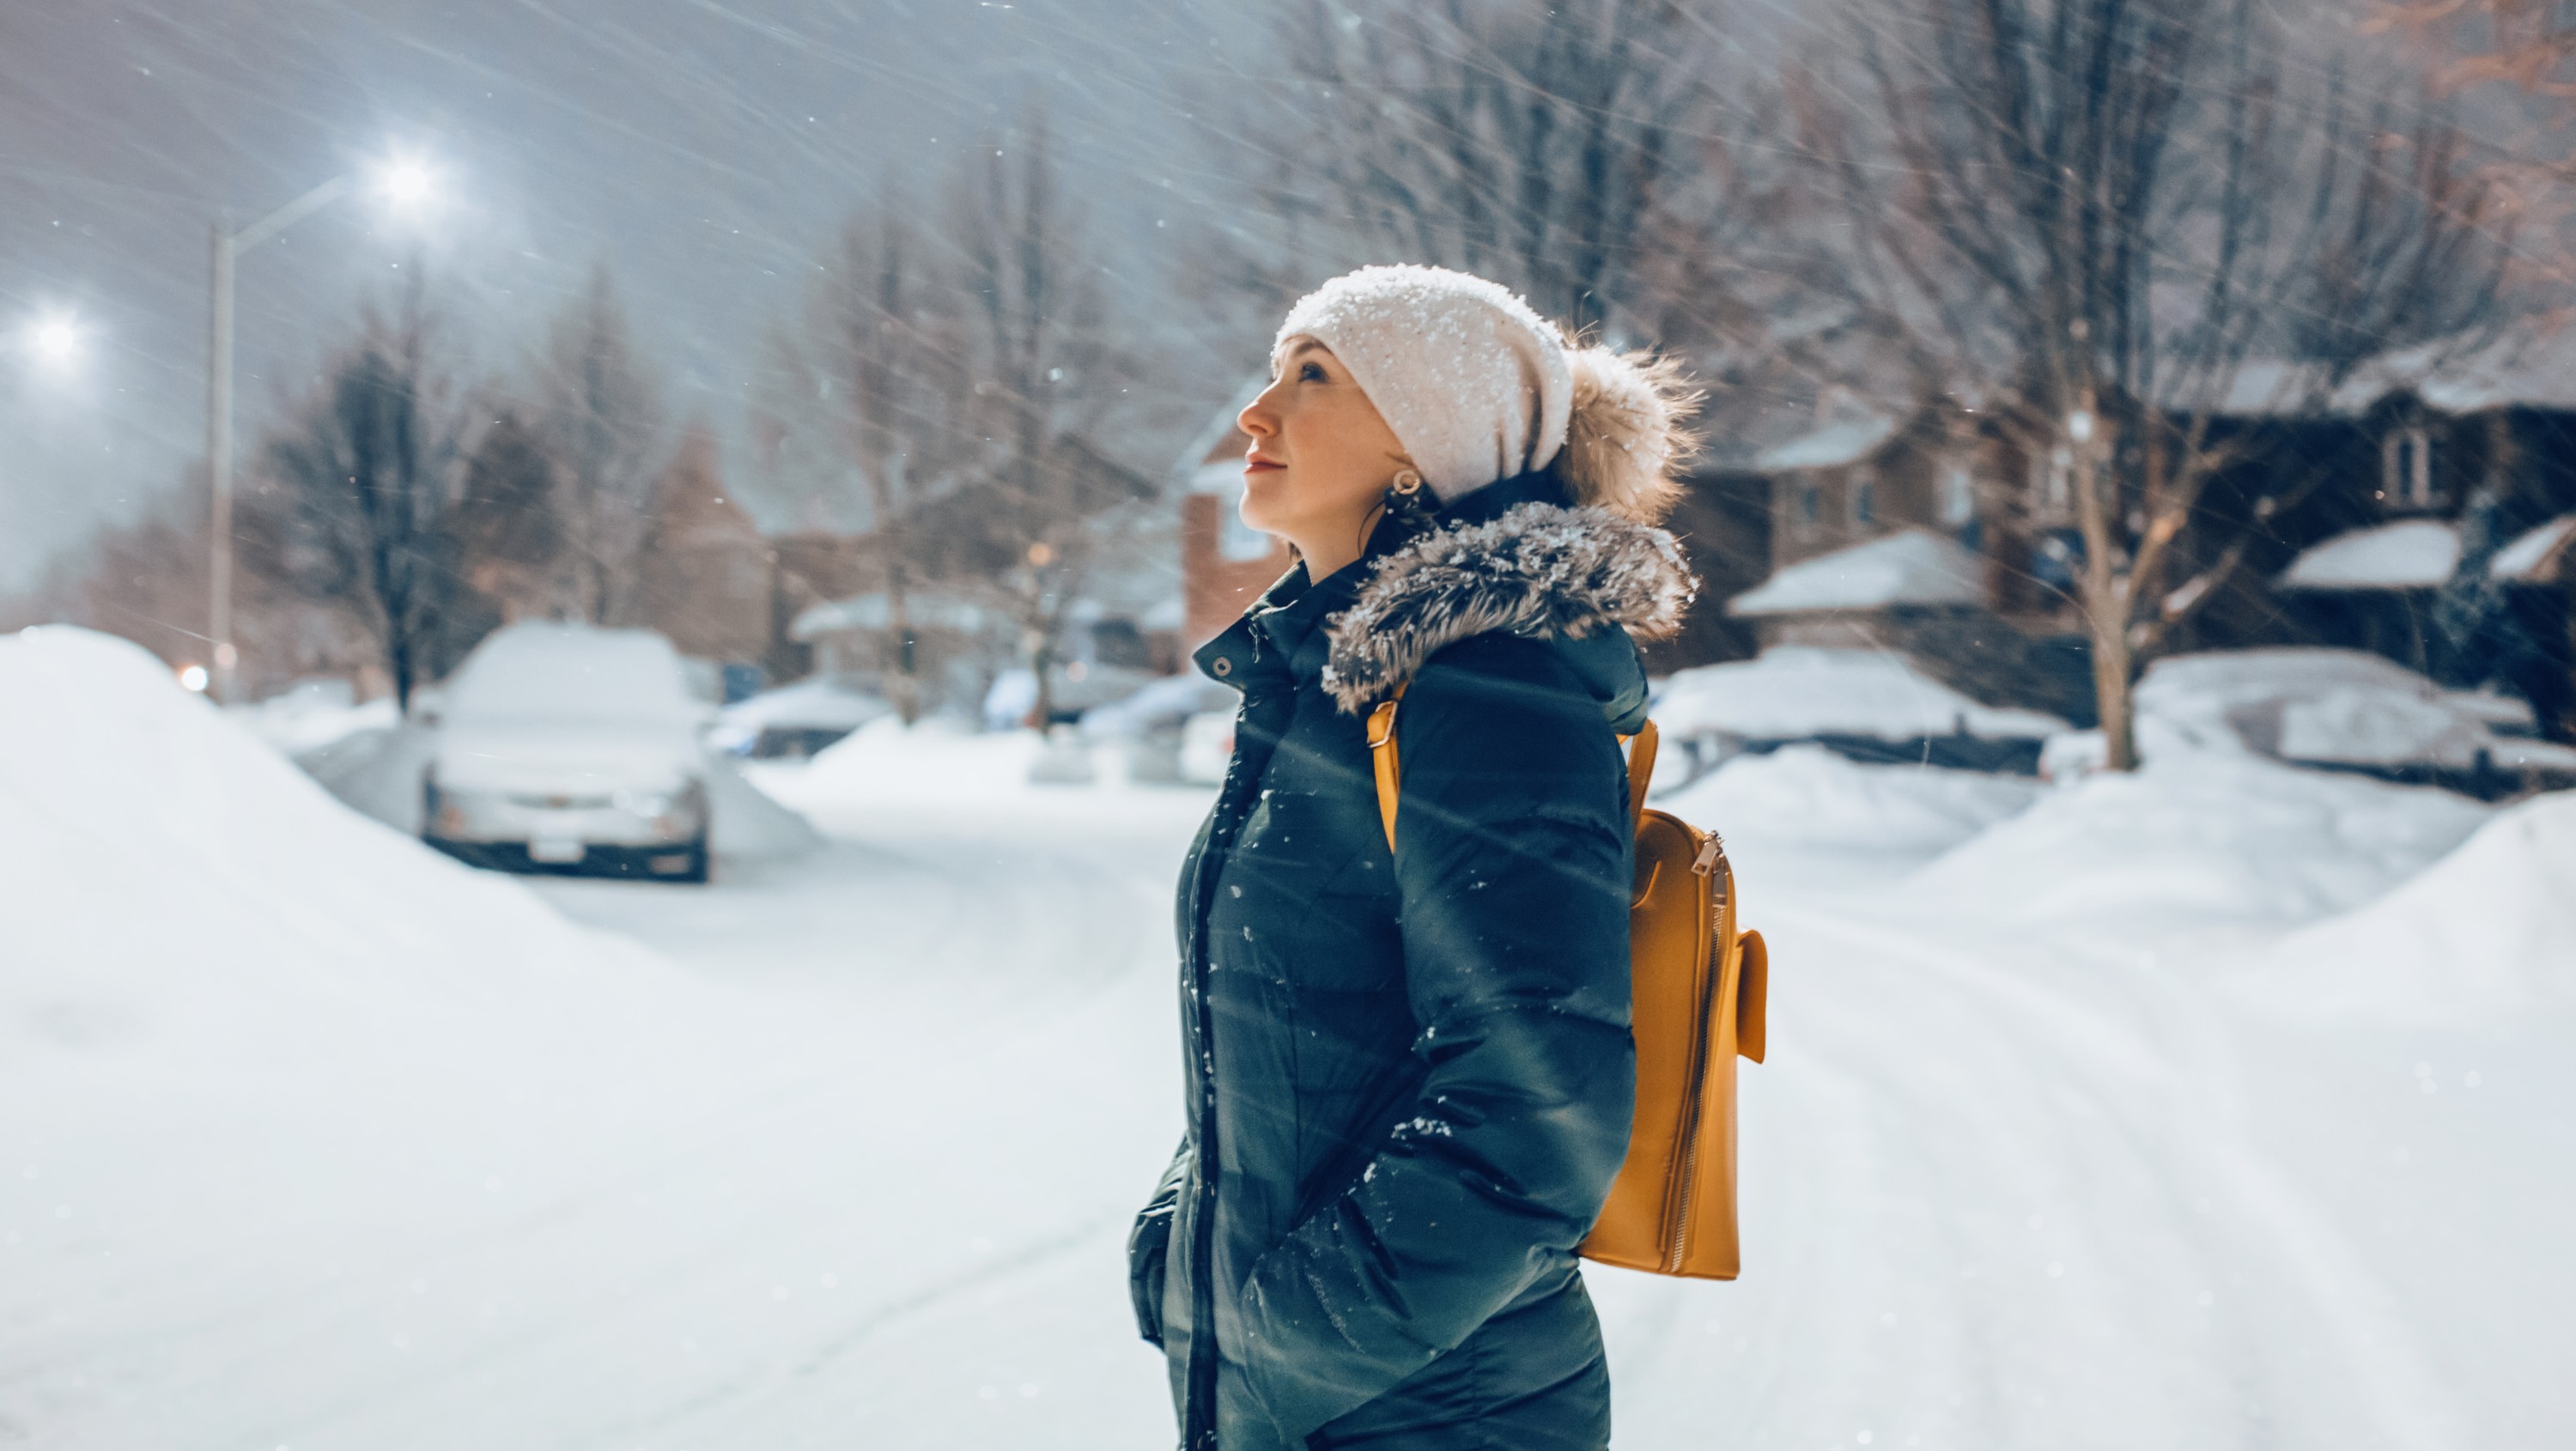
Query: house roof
x: 1846, y: 441
x: 2540, y: 556
x: 2408, y: 554
x: 1909, y: 567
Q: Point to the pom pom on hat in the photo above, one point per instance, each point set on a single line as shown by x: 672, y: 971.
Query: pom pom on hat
x: 1478, y: 387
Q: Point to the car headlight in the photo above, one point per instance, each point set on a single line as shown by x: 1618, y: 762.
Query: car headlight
x: 660, y: 804
x: 641, y: 802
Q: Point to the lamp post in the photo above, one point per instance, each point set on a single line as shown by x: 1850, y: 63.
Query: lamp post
x: 403, y: 183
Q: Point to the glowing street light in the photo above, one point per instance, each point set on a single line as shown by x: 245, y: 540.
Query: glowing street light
x: 405, y: 184
x: 55, y: 341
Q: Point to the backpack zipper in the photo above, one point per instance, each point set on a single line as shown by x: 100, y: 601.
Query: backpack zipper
x: 1704, y: 862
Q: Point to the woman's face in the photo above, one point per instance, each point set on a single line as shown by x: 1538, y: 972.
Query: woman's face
x: 1321, y: 457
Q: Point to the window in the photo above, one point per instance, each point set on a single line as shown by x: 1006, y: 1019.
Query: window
x: 1958, y: 495
x: 1864, y: 503
x: 2052, y: 481
x: 1811, y: 508
x: 2406, y: 469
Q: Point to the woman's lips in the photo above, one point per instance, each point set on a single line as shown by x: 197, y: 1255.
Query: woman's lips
x: 1256, y: 464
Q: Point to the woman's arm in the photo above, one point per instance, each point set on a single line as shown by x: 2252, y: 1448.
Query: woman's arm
x: 1149, y: 1246
x: 1513, y: 862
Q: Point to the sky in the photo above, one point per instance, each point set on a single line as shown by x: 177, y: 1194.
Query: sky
x: 704, y: 149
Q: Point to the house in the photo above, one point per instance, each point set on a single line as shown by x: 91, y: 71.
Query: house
x: 1923, y: 534
x: 2423, y: 514
x: 1225, y: 563
x: 704, y: 572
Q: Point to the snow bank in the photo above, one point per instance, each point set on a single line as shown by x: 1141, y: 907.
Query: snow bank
x: 1808, y: 796
x: 1909, y: 567
x: 1793, y: 692
x: 2409, y: 554
x: 313, y: 714
x: 178, y: 889
x: 2208, y: 840
x: 932, y: 763
x: 2485, y: 935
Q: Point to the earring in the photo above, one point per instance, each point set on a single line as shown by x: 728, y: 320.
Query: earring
x: 1407, y: 482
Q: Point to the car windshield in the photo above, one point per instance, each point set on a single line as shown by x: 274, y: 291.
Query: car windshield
x: 555, y: 672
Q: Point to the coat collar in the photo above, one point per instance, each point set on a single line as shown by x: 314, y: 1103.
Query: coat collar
x: 1295, y: 613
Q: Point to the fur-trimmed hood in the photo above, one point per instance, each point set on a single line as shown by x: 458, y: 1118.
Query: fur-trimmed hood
x: 1540, y: 570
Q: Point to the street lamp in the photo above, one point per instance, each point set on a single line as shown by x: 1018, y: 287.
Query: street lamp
x: 404, y: 183
x: 55, y: 340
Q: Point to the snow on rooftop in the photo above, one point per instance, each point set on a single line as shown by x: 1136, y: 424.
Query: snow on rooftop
x: 1909, y: 567
x: 1836, y: 444
x: 2537, y: 557
x: 2408, y: 554
x: 1793, y: 692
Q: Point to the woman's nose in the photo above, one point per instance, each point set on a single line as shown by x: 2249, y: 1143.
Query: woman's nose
x: 1259, y: 418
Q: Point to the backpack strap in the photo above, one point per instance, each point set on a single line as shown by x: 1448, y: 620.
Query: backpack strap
x: 1390, y: 775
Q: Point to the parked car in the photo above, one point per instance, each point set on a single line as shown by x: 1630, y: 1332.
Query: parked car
x: 565, y: 747
x: 1150, y: 724
x: 1872, y: 706
x: 796, y: 722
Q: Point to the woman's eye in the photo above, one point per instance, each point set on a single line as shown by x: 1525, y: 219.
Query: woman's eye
x: 1310, y: 373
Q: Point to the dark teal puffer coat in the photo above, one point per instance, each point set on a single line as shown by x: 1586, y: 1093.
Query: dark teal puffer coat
x: 1409, y: 1077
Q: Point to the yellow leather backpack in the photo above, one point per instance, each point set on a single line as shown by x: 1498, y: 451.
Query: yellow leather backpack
x: 1699, y: 982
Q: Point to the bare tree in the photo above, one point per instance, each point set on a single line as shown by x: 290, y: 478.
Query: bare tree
x: 508, y: 522
x: 2119, y: 219
x: 352, y: 504
x: 602, y: 425
x: 1576, y: 151
x: 876, y: 387
x: 1043, y: 375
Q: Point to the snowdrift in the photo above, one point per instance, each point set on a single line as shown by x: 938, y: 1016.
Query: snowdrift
x: 2486, y: 934
x: 183, y: 899
x: 1809, y: 796
x: 2212, y: 839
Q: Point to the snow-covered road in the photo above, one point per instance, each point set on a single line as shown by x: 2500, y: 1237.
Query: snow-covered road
x: 846, y: 1158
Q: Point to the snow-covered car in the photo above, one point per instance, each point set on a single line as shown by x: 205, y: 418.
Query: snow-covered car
x: 1207, y: 745
x: 564, y: 747
x: 1867, y: 705
x: 795, y: 722
x: 2346, y: 710
x: 1149, y: 724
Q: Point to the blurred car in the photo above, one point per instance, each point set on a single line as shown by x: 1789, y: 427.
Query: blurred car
x: 1207, y: 747
x: 795, y: 722
x: 1149, y: 725
x: 565, y: 747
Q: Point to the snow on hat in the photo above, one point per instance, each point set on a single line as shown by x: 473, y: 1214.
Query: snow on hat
x: 1476, y: 385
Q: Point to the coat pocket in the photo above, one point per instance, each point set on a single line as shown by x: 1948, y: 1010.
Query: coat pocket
x: 1149, y: 1251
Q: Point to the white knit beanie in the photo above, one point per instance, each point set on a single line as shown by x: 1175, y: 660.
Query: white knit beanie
x: 1476, y: 385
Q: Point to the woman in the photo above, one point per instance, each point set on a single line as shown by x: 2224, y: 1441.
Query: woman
x: 1409, y: 1074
